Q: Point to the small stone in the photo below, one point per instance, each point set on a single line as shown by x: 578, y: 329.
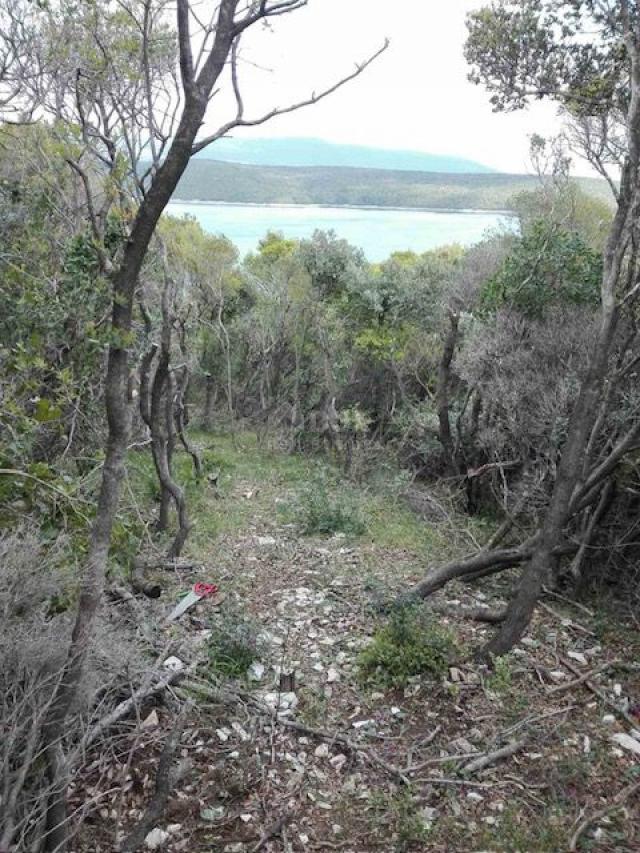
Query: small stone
x: 608, y: 719
x: 173, y: 664
x: 256, y: 671
x: 338, y: 761
x: 212, y: 814
x: 332, y: 675
x: 577, y: 656
x: 361, y: 724
x: 174, y: 828
x: 151, y: 721
x: 627, y: 742
x: 156, y: 839
x: 240, y: 731
x: 223, y: 734
x: 265, y: 540
x: 321, y: 751
x: 475, y: 797
x: 246, y: 818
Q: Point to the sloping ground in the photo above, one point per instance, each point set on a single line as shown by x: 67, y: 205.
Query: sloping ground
x: 356, y: 767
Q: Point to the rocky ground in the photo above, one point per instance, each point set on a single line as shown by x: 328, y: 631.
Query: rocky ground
x: 298, y: 754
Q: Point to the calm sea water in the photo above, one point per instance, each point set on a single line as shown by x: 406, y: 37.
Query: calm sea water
x: 378, y: 232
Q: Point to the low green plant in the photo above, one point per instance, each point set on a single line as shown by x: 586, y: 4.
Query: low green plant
x: 400, y: 813
x: 233, y: 645
x: 500, y: 679
x: 409, y: 644
x: 321, y: 507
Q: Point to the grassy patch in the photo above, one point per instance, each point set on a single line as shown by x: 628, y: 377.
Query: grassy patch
x: 325, y: 507
x: 398, y: 817
x: 233, y: 645
x: 409, y: 644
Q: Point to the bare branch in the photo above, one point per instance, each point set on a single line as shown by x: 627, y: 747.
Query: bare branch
x: 278, y: 111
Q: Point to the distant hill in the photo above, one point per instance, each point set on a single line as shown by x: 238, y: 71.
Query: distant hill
x: 317, y: 152
x: 209, y: 180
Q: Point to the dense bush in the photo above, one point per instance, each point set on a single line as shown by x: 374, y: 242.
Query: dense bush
x: 409, y: 644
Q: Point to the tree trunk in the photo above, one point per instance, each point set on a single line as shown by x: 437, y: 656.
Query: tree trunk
x: 571, y: 469
x: 117, y: 396
x: 442, y: 394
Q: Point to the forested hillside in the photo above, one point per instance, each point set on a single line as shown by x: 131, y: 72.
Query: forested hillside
x: 208, y: 180
x: 300, y: 552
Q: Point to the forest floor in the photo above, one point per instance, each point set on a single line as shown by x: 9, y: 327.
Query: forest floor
x: 362, y: 766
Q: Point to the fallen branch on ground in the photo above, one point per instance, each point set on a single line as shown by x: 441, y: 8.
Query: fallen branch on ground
x: 490, y: 758
x: 166, y: 778
x: 619, y: 800
x: 600, y: 694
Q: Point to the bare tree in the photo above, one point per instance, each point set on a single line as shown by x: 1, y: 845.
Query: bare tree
x: 590, y: 64
x: 150, y: 101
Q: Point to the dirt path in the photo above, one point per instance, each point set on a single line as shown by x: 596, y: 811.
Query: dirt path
x: 370, y: 768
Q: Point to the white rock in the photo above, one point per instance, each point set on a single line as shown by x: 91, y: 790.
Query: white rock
x: 265, y: 540
x: 332, y: 675
x: 242, y: 734
x: 428, y: 815
x: 578, y: 656
x: 475, y: 797
x: 156, y: 839
x: 617, y: 690
x: 321, y: 751
x: 223, y: 734
x: 338, y: 761
x: 256, y: 671
x: 246, y: 818
x: 151, y: 721
x: 627, y: 742
x: 608, y: 719
x: 174, y: 664
x: 174, y: 828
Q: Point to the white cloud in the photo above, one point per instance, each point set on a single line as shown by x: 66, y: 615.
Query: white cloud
x: 415, y: 96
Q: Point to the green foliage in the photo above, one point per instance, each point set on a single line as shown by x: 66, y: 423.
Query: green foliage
x: 500, y: 679
x: 233, y: 644
x: 409, y: 644
x: 322, y: 507
x: 548, y: 266
x: 398, y: 815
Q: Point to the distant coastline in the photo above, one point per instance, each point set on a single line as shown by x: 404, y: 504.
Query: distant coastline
x: 215, y: 182
x: 327, y: 206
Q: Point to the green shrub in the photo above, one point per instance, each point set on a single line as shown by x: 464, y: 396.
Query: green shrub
x: 409, y: 644
x: 233, y: 645
x: 322, y: 509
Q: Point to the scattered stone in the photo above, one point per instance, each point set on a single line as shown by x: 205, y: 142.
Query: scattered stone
x: 174, y: 828
x: 627, y: 742
x: 156, y: 839
x: 242, y: 734
x: 577, y: 656
x: 475, y: 797
x: 332, y: 675
x: 338, y: 761
x: 246, y: 818
x: 608, y: 719
x: 223, y: 734
x: 256, y: 671
x: 212, y: 814
x: 150, y: 722
x: 265, y: 540
x: 321, y: 751
x: 173, y: 663
x: 361, y: 724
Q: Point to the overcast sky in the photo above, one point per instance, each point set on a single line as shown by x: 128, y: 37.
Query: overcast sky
x: 415, y: 96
